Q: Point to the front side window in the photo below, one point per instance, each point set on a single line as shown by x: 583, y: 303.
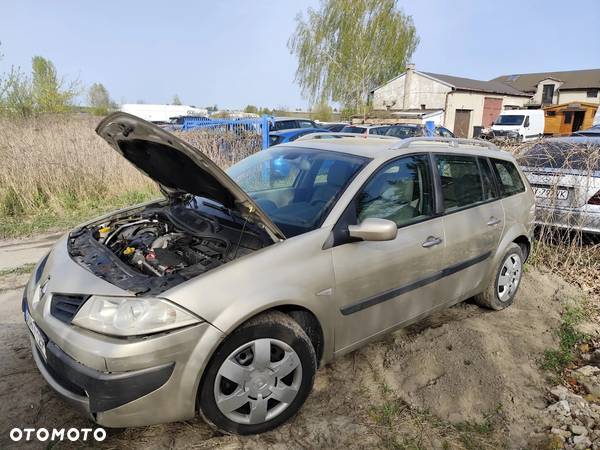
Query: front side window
x: 510, y: 179
x: 296, y: 187
x: 462, y: 184
x: 401, y: 191
x: 306, y: 124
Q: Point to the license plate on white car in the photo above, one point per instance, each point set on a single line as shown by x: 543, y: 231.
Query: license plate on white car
x: 559, y: 194
x: 38, y: 337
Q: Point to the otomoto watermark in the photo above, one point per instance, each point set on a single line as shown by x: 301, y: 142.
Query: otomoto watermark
x: 57, y: 434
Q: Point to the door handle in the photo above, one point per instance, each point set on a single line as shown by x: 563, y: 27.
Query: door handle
x: 432, y: 241
x: 493, y: 221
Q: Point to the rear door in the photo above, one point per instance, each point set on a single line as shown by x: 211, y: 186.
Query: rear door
x: 473, y: 220
x: 379, y: 285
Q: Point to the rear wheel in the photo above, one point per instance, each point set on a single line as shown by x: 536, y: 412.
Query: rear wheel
x: 501, y: 291
x: 259, y: 377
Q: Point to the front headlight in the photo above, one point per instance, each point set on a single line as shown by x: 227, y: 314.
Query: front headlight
x: 131, y: 316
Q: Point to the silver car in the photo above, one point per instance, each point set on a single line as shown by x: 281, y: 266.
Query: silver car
x: 565, y: 176
x: 224, y: 298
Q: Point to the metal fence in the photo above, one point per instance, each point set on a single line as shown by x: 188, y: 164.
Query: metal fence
x: 239, y: 126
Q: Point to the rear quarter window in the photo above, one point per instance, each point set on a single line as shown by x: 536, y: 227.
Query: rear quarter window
x: 508, y: 176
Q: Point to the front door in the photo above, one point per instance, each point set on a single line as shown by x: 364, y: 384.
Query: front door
x: 379, y: 285
x: 473, y: 220
x: 462, y: 120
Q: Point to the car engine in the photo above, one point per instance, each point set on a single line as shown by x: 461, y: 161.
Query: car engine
x: 157, y: 248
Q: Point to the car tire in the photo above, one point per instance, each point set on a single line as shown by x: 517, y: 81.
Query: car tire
x: 266, y: 394
x: 503, y: 287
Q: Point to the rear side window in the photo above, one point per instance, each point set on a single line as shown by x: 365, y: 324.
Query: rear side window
x: 509, y: 177
x: 285, y: 125
x: 487, y: 178
x: 379, y: 131
x: 462, y: 184
x: 351, y: 129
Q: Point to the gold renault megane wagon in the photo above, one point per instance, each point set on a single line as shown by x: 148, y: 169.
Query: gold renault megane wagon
x: 224, y: 297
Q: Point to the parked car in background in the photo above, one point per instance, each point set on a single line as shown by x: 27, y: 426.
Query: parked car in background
x: 366, y: 129
x: 591, y: 132
x: 283, y: 136
x: 565, y: 176
x: 288, y: 123
x: 335, y: 127
x: 518, y: 125
x: 226, y: 296
x: 403, y: 131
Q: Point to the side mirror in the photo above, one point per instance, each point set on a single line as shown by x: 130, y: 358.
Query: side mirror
x: 373, y: 229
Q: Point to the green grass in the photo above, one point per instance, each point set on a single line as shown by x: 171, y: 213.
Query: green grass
x: 72, y: 213
x: 21, y: 270
x: 556, y: 360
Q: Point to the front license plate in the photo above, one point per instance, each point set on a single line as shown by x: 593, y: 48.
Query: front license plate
x: 38, y: 337
x: 559, y: 194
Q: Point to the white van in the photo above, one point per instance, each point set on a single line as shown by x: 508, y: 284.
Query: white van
x: 519, y: 124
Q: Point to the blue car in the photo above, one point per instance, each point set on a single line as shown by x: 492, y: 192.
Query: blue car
x: 283, y: 136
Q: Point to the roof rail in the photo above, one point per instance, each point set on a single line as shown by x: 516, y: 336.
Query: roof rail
x: 452, y: 142
x: 342, y: 135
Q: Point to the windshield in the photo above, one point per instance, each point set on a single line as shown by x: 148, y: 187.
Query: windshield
x: 296, y: 187
x: 509, y: 120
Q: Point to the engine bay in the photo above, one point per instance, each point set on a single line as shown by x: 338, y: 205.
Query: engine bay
x: 158, y: 247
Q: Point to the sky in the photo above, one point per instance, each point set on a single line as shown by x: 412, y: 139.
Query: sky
x: 234, y: 52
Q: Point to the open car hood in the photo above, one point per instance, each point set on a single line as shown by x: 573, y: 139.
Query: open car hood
x: 178, y: 167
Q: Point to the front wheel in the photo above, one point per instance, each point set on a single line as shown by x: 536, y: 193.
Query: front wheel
x: 502, y: 289
x: 259, y: 377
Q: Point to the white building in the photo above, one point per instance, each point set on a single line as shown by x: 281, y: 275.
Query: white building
x: 461, y: 104
x: 555, y: 88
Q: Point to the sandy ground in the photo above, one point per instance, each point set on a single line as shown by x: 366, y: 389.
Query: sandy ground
x: 465, y: 377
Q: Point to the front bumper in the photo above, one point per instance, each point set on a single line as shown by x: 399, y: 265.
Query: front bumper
x: 94, y: 391
x: 118, y: 382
